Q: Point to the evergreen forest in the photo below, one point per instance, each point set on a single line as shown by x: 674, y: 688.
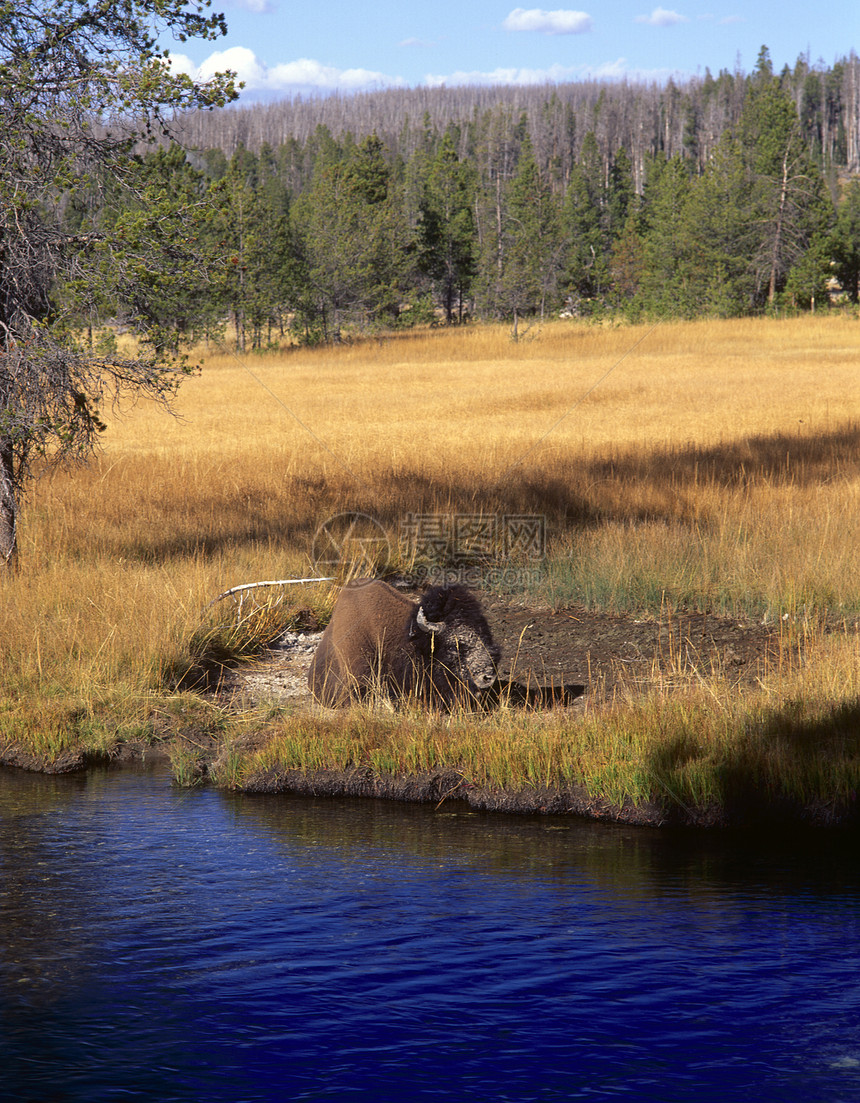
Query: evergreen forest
x: 724, y: 196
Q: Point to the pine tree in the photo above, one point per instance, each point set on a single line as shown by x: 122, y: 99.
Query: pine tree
x: 584, y: 220
x: 620, y: 194
x: 664, y: 287
x: 717, y: 236
x: 164, y: 222
x: 260, y: 270
x: 807, y: 280
x: 533, y: 256
x: 788, y: 198
x: 446, y: 228
x: 355, y: 238
x: 844, y: 243
x: 627, y: 264
x: 497, y: 141
x: 80, y: 82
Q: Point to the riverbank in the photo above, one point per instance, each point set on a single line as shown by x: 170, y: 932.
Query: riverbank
x: 445, y: 787
x: 673, y: 721
x: 748, y: 807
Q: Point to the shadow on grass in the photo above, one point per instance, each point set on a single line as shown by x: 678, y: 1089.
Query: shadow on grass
x: 797, y: 764
x: 515, y: 694
x: 570, y: 495
x: 800, y: 459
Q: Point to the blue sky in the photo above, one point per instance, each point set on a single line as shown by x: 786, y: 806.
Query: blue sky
x: 281, y: 48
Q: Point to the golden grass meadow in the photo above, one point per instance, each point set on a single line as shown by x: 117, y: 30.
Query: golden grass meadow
x: 711, y: 465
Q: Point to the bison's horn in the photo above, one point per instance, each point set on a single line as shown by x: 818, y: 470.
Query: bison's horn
x: 428, y: 625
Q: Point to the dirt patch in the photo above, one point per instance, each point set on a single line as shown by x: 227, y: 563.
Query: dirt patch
x: 597, y: 653
x: 281, y: 675
x: 619, y: 654
x: 68, y: 762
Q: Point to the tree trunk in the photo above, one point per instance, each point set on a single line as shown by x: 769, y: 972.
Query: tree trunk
x: 8, y: 512
x: 777, y: 238
x: 449, y: 298
x: 239, y: 318
x: 500, y: 246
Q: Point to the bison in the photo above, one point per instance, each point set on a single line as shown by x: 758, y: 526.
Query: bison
x: 438, y: 650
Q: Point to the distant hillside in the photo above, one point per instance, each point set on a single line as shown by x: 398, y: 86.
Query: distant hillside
x: 685, y: 118
x: 721, y: 196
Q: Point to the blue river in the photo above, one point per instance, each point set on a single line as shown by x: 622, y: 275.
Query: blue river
x: 164, y: 944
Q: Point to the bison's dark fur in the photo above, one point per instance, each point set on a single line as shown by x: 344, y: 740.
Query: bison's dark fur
x: 439, y: 650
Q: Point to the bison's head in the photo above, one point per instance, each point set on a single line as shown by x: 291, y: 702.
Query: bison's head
x: 457, y: 638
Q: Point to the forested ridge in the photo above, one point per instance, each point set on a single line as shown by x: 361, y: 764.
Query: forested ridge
x: 723, y: 196
x: 685, y: 118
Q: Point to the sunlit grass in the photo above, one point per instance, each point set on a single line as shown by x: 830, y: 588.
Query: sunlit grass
x: 724, y: 455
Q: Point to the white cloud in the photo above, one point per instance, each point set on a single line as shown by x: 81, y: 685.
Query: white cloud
x: 607, y: 70
x: 258, y: 7
x: 303, y: 75
x: 660, y: 17
x: 182, y: 63
x: 555, y: 74
x: 617, y: 70
x: 548, y: 22
x: 240, y: 60
x: 307, y: 73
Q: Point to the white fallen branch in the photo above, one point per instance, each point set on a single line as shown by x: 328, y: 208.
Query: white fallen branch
x: 257, y: 585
